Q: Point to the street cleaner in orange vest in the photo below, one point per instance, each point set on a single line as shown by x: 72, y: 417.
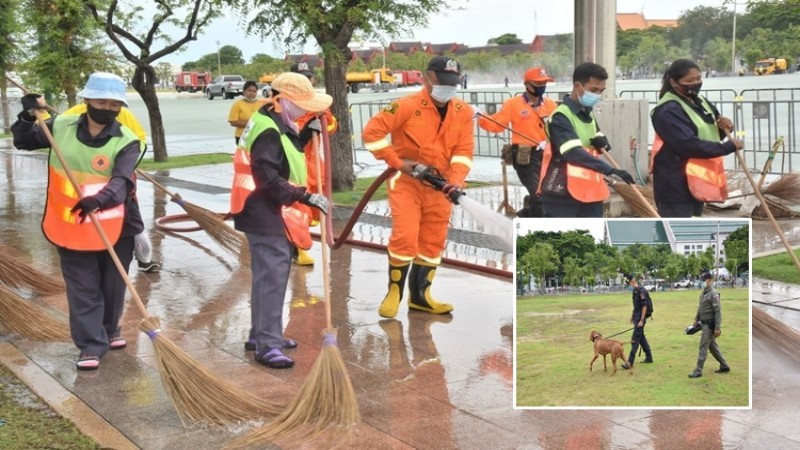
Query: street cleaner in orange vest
x: 313, y: 179
x: 103, y: 155
x: 528, y: 114
x: 269, y: 203
x: 572, y: 183
x: 687, y: 156
x: 430, y: 128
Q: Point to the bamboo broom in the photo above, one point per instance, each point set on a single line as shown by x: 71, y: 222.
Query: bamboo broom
x: 18, y: 275
x: 197, y: 394
x: 631, y: 193
x: 29, y: 320
x: 209, y: 221
x: 780, y: 336
x: 325, y: 409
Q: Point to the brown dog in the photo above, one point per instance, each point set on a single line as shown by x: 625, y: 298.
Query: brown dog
x: 605, y: 347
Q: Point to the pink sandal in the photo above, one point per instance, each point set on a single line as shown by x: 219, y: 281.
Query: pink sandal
x: 88, y: 362
x: 117, y: 343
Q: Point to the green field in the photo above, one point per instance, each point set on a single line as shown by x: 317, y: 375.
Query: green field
x: 553, y: 352
x: 779, y: 267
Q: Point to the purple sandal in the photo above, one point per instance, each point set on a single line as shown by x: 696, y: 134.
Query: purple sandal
x: 250, y: 345
x: 274, y: 358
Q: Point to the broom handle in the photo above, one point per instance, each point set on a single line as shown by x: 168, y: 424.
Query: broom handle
x: 768, y: 163
x: 157, y: 184
x: 109, y: 246
x: 760, y: 197
x: 323, y: 228
x: 533, y: 141
x: 328, y: 184
x: 639, y: 194
x: 22, y: 88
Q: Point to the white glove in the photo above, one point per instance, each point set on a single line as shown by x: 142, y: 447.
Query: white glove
x: 476, y: 111
x: 541, y: 146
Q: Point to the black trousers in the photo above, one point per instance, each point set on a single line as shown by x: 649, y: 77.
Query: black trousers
x: 96, y: 295
x: 689, y: 208
x: 639, y: 339
x: 528, y: 175
x: 575, y: 209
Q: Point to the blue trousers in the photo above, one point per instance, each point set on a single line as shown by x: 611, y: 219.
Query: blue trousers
x: 270, y: 264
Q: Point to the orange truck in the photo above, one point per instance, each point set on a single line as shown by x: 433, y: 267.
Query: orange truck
x: 408, y: 77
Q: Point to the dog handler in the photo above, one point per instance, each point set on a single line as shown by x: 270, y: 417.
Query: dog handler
x: 639, y: 320
x: 709, y: 315
x: 103, y: 155
x: 433, y: 128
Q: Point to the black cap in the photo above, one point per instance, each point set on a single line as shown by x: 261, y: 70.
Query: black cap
x: 705, y: 275
x: 448, y: 70
x: 303, y: 68
x: 629, y: 277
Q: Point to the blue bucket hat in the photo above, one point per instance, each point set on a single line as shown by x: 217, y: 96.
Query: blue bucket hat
x: 104, y: 86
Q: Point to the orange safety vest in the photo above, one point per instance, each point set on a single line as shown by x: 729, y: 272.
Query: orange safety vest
x: 296, y: 216
x: 706, y: 176
x: 92, y: 168
x: 584, y: 185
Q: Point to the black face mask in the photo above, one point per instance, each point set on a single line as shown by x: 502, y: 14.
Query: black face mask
x: 536, y: 91
x: 101, y: 116
x: 690, y: 89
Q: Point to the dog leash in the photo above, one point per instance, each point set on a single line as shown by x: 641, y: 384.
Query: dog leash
x: 629, y: 329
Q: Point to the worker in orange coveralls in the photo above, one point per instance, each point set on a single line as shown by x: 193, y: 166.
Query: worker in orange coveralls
x: 433, y: 128
x: 313, y: 179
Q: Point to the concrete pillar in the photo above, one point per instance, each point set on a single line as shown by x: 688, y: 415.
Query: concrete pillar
x: 626, y: 124
x: 596, y: 37
x: 584, y: 31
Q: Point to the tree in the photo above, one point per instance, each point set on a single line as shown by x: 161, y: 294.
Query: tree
x: 333, y: 23
x: 123, y: 30
x: 504, y: 39
x: 673, y: 269
x: 65, y: 48
x: 736, y: 252
x: 541, y: 260
x: 574, y: 271
x: 701, y: 24
x: 164, y: 73
x: 8, y: 47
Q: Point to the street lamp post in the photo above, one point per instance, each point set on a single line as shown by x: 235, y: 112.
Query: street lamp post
x: 219, y: 62
x: 733, y: 42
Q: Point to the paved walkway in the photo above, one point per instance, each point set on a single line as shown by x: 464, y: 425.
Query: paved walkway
x: 422, y: 381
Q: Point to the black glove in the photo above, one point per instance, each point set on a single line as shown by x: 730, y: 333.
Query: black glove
x: 85, y: 206
x: 30, y: 102
x: 626, y: 177
x: 452, y: 192
x: 316, y: 201
x: 312, y: 128
x: 600, y: 142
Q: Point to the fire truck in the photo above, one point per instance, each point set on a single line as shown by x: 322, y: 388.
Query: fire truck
x: 192, y: 81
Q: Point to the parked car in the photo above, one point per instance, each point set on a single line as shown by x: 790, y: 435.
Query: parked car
x: 682, y: 284
x: 225, y: 86
x: 650, y: 287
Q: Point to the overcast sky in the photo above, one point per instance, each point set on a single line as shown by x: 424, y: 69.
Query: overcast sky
x: 477, y: 23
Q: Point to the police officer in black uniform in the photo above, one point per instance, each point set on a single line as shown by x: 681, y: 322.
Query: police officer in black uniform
x: 709, y: 314
x: 638, y: 319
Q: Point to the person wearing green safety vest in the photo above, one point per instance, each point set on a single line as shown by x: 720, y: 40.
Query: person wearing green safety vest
x: 571, y: 183
x: 102, y: 154
x: 686, y: 159
x: 269, y: 175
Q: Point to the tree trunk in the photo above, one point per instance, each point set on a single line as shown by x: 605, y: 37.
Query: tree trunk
x: 142, y: 81
x: 341, y: 162
x: 6, y: 113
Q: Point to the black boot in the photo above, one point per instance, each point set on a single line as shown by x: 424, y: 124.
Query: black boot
x: 397, y: 281
x: 420, y: 284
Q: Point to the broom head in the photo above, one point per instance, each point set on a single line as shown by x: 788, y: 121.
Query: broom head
x: 640, y: 208
x: 324, y: 411
x: 212, y: 223
x: 777, y: 334
x: 29, y: 320
x: 18, y: 275
x: 197, y: 394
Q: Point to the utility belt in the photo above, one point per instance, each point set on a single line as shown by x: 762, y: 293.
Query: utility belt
x: 517, y: 154
x: 710, y: 322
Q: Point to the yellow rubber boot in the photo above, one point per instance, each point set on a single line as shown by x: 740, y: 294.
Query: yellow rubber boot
x: 420, y: 284
x: 397, y: 280
x: 303, y: 258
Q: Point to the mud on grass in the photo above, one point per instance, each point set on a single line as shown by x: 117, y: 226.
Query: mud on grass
x: 554, y: 351
x: 28, y: 423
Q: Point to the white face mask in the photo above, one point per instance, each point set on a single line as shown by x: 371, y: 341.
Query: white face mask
x: 442, y: 93
x: 290, y: 112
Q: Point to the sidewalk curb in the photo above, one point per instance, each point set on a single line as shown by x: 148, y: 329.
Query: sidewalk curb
x: 775, y: 251
x: 62, y: 401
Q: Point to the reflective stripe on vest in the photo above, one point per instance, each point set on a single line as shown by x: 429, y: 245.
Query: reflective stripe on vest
x: 584, y: 185
x: 243, y: 183
x: 92, y: 168
x: 705, y: 176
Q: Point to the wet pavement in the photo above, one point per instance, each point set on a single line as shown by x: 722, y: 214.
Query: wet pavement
x: 422, y: 381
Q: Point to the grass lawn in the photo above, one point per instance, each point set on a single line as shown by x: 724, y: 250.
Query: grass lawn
x: 186, y: 161
x: 553, y: 352
x: 778, y: 267
x: 27, y: 423
x: 351, y: 198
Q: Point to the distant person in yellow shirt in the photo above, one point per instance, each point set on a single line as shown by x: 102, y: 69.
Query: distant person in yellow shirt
x: 242, y: 109
x: 141, y: 248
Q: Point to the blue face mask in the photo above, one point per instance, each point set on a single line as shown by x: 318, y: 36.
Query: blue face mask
x: 442, y: 93
x: 589, y: 99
